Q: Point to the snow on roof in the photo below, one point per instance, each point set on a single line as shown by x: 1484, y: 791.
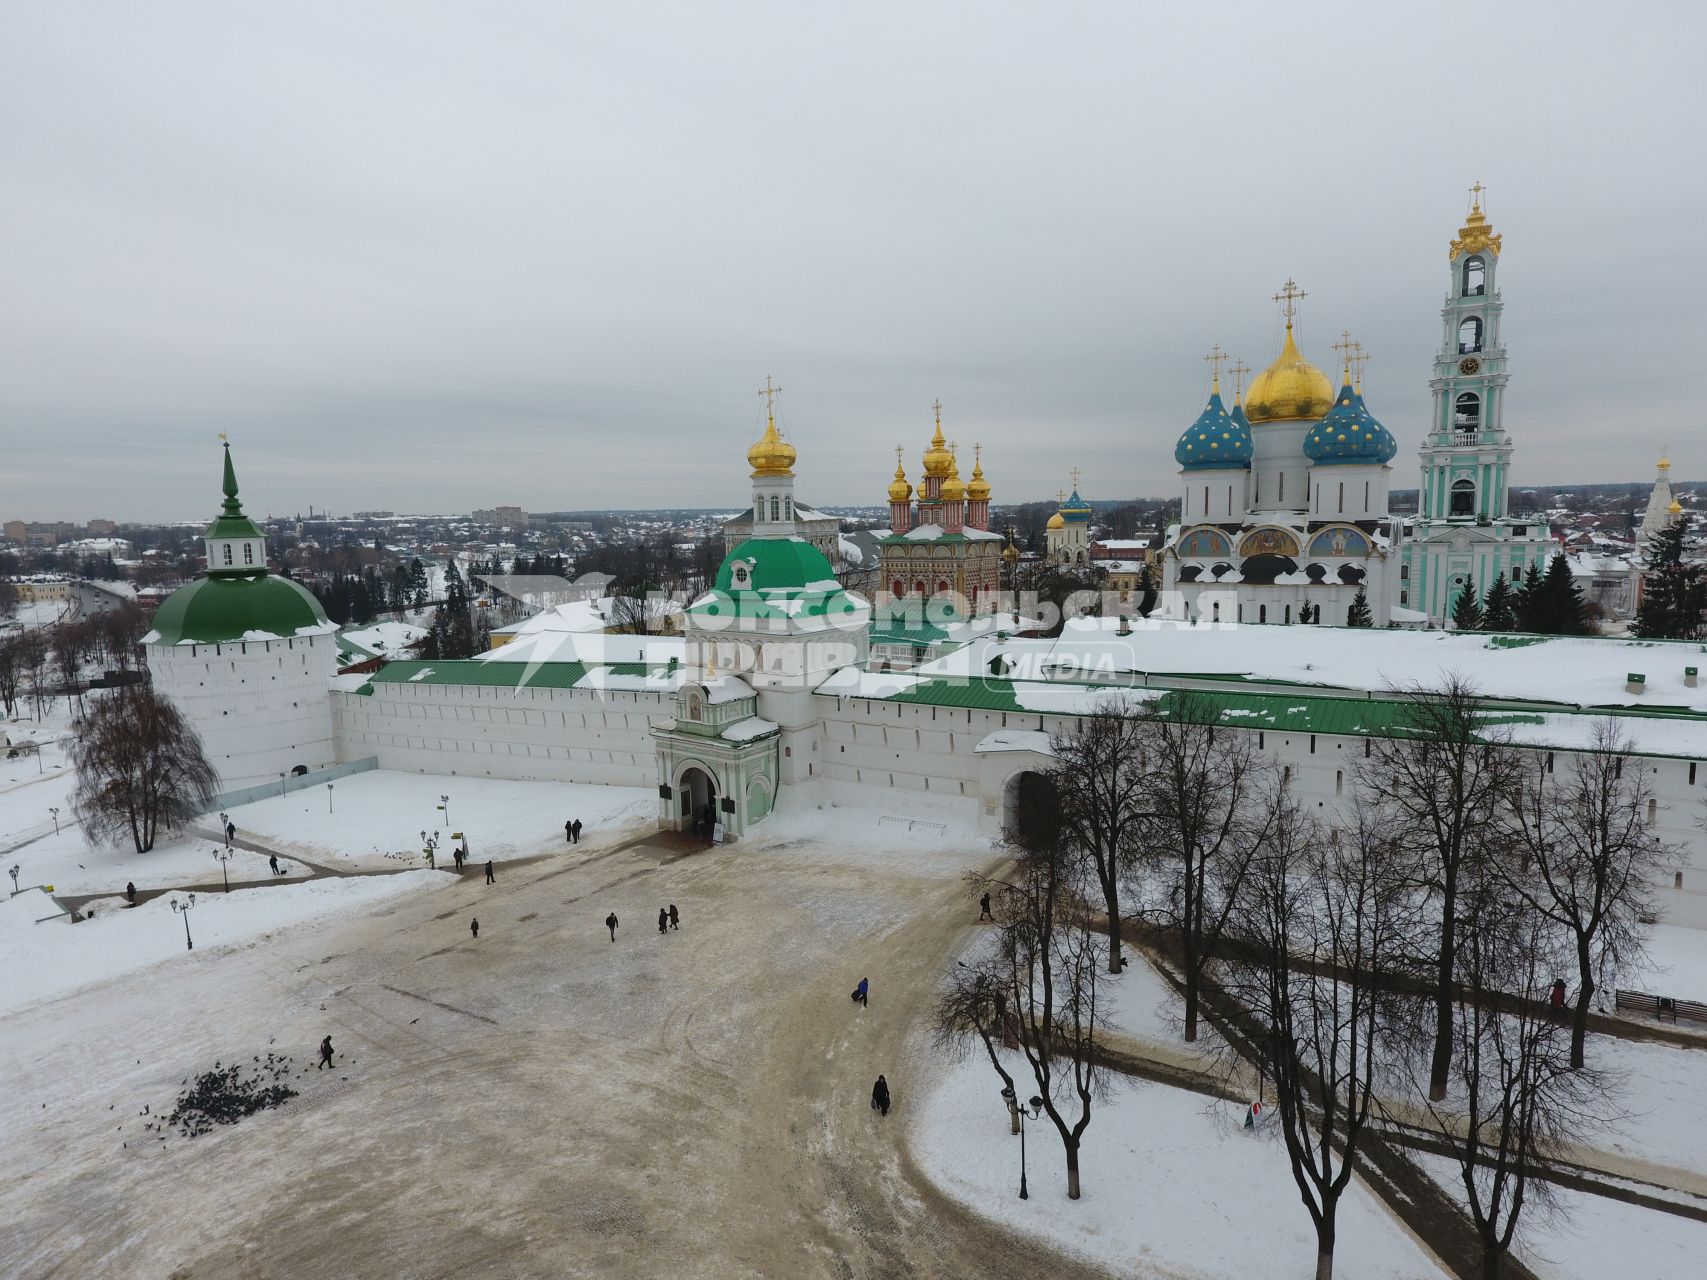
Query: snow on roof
x: 747, y: 730
x: 720, y: 689
x: 1015, y: 740
x: 590, y: 647
x: 385, y: 637
x: 1572, y: 670
x: 851, y: 682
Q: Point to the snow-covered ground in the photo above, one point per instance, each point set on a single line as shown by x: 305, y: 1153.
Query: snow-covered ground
x: 1172, y: 1185
x: 1587, y: 1237
x: 941, y: 846
x: 374, y: 820
x: 1677, y: 963
x: 46, y: 960
x: 72, y: 866
x: 1661, y: 1089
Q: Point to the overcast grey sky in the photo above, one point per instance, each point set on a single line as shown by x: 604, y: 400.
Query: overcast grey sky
x: 440, y: 256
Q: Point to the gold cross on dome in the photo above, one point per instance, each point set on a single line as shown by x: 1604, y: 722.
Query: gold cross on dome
x: 1476, y: 197
x: 1288, y: 299
x: 1239, y: 369
x: 1060, y: 496
x: 1075, y: 473
x: 1215, y: 359
x: 1359, y: 358
x: 936, y: 408
x: 769, y: 393
x: 1345, y: 346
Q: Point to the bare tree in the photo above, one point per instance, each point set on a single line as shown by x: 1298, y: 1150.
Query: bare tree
x: 1213, y: 803
x: 139, y: 765
x: 1320, y: 922
x: 1518, y: 1098
x: 1102, y: 799
x: 970, y: 1012
x: 1446, y: 781
x: 1040, y: 978
x: 1588, y: 855
x: 11, y: 674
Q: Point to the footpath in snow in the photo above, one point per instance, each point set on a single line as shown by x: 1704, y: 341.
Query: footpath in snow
x: 50, y: 959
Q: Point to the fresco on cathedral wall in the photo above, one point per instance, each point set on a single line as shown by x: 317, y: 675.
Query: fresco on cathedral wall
x: 1339, y: 542
x: 1268, y: 542
x: 1205, y: 542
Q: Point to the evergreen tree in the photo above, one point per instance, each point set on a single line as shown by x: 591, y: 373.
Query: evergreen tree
x: 418, y: 586
x: 1498, y: 613
x: 1358, y: 615
x: 1673, y: 593
x: 1146, y: 591
x: 1557, y: 603
x: 1526, y: 601
x: 1467, y: 612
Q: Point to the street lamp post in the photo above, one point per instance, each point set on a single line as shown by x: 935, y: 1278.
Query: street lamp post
x: 1033, y: 1109
x: 225, y: 855
x: 183, y: 909
x: 13, y: 872
x: 55, y: 813
x: 224, y: 828
x: 444, y: 804
x: 328, y: 797
x: 428, y: 844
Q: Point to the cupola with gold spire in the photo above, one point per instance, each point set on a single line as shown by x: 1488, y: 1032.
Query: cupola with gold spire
x: 953, y: 496
x: 772, y: 460
x: 978, y: 492
x: 900, y: 497
x: 1290, y: 389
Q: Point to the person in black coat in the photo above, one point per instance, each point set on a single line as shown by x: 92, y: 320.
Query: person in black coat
x: 675, y: 920
x: 569, y: 831
x: 880, y: 1096
x: 663, y: 920
x: 325, y: 1053
x: 577, y: 830
x: 984, y: 908
x: 130, y: 893
x: 490, y: 878
x: 610, y: 923
x: 474, y: 928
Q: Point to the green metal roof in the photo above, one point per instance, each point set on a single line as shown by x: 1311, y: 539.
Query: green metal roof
x: 515, y: 675
x: 777, y: 580
x: 219, y: 610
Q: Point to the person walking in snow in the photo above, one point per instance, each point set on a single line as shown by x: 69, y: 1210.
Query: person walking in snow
x: 862, y: 994
x: 474, y: 928
x: 610, y: 923
x: 984, y: 907
x: 675, y: 920
x: 130, y: 892
x: 230, y: 833
x: 273, y: 862
x: 577, y: 831
x: 490, y: 878
x: 325, y: 1054
x: 569, y: 831
x: 880, y: 1096
x: 1556, y: 997
x: 663, y: 920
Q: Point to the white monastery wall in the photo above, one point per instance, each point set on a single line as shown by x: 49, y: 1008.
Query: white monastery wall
x: 549, y: 735
x: 259, y: 705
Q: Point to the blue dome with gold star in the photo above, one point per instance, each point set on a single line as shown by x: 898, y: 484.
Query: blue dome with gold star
x: 1217, y: 439
x: 1349, y: 434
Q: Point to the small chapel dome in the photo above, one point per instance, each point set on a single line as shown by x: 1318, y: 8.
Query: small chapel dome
x: 938, y: 460
x: 772, y: 455
x: 899, y: 489
x: 1676, y: 507
x: 978, y: 489
x: 954, y: 489
x: 1289, y: 389
x: 1057, y: 521
x: 1349, y: 434
x: 1217, y: 439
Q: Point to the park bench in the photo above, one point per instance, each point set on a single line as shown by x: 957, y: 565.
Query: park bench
x: 1662, y: 1007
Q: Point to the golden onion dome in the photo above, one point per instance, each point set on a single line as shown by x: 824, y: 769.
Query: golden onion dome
x: 938, y: 460
x: 1676, y: 507
x: 978, y: 490
x: 899, y: 489
x: 953, y: 488
x: 1057, y: 521
x: 772, y: 455
x: 1291, y: 388
x: 1665, y: 464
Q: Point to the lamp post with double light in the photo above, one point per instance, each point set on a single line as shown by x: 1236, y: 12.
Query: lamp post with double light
x: 183, y: 908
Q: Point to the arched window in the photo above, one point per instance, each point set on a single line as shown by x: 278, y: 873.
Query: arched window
x: 1262, y: 613
x: 1470, y: 335
x: 788, y: 506
x: 1475, y: 277
x: 1463, y: 497
x: 776, y: 508
x: 226, y: 550
x: 248, y: 553
x: 897, y: 588
x: 1467, y: 412
x: 919, y: 586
